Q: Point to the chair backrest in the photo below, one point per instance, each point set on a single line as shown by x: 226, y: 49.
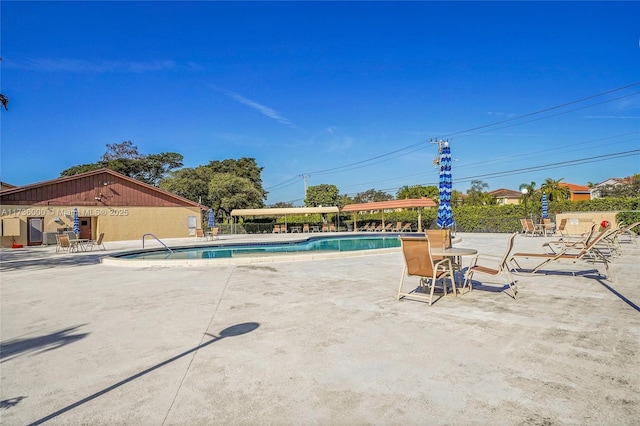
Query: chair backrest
x: 417, y: 256
x: 199, y: 233
x: 435, y: 235
x: 63, y: 240
x: 594, y: 239
x: 590, y: 234
x: 530, y: 226
x: 562, y: 225
x: 507, y: 252
x: 523, y: 222
x: 100, y: 237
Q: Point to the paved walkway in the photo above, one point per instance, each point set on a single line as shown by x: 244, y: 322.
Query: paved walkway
x: 319, y: 342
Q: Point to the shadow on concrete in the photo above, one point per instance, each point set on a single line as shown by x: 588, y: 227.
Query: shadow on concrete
x: 614, y: 291
x: 12, y: 348
x: 5, y: 404
x: 15, y: 263
x: 489, y: 288
x: 234, y: 330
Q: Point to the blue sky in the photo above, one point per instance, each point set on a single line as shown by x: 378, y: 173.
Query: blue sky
x: 346, y: 93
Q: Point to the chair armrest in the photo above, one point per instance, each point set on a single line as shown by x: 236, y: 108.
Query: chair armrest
x: 481, y: 256
x: 442, y: 262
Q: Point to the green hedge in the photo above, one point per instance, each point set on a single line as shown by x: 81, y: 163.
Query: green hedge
x: 492, y: 218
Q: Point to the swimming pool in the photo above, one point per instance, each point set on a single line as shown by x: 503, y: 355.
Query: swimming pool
x: 255, y: 252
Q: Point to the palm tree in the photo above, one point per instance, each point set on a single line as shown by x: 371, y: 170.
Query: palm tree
x: 555, y: 191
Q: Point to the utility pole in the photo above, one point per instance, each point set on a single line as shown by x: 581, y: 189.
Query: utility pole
x: 304, y: 178
x: 436, y: 161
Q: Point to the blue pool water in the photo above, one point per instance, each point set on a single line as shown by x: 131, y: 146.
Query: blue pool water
x: 311, y: 244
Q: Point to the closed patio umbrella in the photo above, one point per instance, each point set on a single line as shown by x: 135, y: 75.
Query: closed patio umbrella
x: 76, y: 222
x: 212, y: 219
x: 445, y: 214
x: 545, y: 206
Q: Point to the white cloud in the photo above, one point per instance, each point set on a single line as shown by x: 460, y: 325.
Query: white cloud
x: 617, y: 117
x: 269, y: 112
x: 81, y: 65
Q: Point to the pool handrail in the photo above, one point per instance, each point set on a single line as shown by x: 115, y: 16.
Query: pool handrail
x: 157, y: 239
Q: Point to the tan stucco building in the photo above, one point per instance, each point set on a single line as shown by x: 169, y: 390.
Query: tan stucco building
x: 106, y: 201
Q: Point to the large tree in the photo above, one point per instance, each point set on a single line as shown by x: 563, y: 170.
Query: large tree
x: 371, y: 195
x: 418, y: 191
x: 194, y: 183
x: 477, y: 194
x: 243, y: 167
x: 190, y: 183
x: 228, y: 191
x: 322, y: 195
x: 124, y: 158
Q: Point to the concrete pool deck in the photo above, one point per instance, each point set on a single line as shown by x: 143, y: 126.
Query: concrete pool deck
x: 313, y: 342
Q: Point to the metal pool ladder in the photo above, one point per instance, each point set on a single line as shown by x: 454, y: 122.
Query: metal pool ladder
x: 157, y: 239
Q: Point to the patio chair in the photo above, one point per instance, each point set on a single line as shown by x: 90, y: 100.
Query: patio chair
x: 63, y: 244
x: 398, y: 227
x: 325, y: 227
x: 378, y: 228
x: 561, y: 228
x: 388, y: 227
x: 435, y: 237
x: 419, y: 263
x: 305, y: 228
x: 627, y: 233
x: 276, y: 229
x: 547, y: 227
x: 199, y: 234
x: 332, y: 228
x: 213, y: 234
x: 406, y: 227
x: 578, y: 242
x: 494, y: 266
x: 534, y: 229
x: 590, y: 252
x: 98, y: 243
x: 367, y: 227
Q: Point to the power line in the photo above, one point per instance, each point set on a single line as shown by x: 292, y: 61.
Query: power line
x: 569, y: 163
x: 360, y: 164
x: 548, y: 109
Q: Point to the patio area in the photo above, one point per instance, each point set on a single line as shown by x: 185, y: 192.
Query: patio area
x: 313, y: 342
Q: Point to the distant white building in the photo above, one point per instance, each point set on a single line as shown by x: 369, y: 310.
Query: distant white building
x: 597, y: 188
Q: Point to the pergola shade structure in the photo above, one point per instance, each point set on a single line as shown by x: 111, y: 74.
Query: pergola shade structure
x: 284, y: 211
x: 407, y: 203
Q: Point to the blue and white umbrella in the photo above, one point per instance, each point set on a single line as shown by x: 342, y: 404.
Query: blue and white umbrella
x: 445, y: 214
x: 76, y: 221
x: 545, y: 206
x: 212, y: 219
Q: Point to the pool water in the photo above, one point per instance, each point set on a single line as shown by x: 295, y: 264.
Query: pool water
x: 312, y: 244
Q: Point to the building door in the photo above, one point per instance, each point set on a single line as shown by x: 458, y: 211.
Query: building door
x: 85, y: 228
x: 34, y: 231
